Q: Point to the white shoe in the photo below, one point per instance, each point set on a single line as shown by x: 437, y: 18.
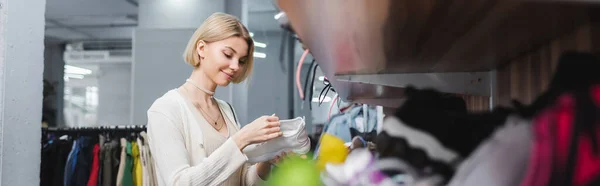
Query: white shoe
x: 294, y: 138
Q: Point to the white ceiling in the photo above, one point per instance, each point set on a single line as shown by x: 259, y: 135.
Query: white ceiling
x: 70, y: 20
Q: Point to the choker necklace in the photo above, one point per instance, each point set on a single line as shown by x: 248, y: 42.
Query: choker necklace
x: 211, y: 93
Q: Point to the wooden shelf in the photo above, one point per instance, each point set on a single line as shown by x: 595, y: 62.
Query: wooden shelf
x: 351, y: 39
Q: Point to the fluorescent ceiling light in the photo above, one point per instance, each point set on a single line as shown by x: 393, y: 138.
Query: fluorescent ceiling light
x: 259, y: 44
x: 251, y: 34
x: 321, y: 78
x: 260, y: 55
x: 325, y: 99
x: 278, y: 15
x: 77, y: 70
x: 76, y: 76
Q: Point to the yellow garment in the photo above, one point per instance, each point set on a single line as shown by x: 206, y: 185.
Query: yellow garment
x: 332, y: 150
x: 137, y: 164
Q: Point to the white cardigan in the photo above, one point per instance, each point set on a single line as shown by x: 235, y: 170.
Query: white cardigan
x: 177, y: 147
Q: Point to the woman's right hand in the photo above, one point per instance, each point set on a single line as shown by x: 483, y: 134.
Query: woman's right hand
x: 260, y: 130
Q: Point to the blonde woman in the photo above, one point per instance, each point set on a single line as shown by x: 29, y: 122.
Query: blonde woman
x: 194, y: 138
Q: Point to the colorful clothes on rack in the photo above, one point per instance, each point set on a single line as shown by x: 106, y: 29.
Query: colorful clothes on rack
x: 93, y: 180
x: 564, y: 151
x: 91, y: 158
x: 358, y: 121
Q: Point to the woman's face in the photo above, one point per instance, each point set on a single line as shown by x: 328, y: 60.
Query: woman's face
x: 223, y: 60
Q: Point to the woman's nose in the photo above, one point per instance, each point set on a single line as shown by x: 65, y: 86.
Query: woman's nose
x: 235, y: 65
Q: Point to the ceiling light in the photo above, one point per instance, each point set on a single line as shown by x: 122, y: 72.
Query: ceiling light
x: 251, y: 34
x: 259, y: 44
x: 77, y: 70
x: 76, y: 76
x: 260, y: 55
x: 321, y: 78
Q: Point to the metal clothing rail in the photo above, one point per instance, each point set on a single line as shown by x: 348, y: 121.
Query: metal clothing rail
x: 120, y: 128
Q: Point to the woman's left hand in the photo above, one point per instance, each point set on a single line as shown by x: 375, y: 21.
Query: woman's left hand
x: 264, y: 168
x: 275, y: 161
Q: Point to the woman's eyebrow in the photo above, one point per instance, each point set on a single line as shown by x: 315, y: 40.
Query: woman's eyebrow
x: 235, y: 52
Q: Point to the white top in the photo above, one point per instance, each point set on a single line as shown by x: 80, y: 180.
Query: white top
x: 178, y: 146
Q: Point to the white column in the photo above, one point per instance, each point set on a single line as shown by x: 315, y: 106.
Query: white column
x: 21, y: 73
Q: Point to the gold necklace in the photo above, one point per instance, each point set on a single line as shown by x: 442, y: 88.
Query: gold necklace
x: 215, y: 121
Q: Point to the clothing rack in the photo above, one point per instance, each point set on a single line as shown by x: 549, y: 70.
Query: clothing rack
x: 101, y: 129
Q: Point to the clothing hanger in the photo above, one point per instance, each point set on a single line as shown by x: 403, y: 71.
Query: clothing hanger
x: 308, y: 75
x: 312, y: 83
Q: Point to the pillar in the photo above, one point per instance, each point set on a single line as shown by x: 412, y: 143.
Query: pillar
x: 21, y: 73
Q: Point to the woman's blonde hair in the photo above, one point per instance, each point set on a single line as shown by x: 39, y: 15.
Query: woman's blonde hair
x: 217, y: 27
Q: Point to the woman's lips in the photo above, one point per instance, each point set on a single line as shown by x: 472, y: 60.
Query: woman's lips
x: 229, y: 76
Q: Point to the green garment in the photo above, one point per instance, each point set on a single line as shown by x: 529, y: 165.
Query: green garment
x: 128, y: 174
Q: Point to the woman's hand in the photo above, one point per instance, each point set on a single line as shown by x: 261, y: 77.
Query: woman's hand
x: 264, y: 168
x: 260, y: 130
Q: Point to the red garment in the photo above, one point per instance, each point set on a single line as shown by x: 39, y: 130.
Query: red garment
x: 93, y: 181
x: 550, y: 152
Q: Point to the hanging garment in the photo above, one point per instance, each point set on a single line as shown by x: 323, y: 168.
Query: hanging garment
x: 147, y: 163
x: 117, y: 157
x: 101, y: 142
x: 63, y: 152
x: 122, y: 162
x: 567, y: 141
x: 49, y: 155
x: 500, y: 160
x: 445, y: 117
x: 358, y: 121
x: 128, y: 171
x: 418, y: 149
x: 137, y: 164
x: 142, y: 161
x: 54, y: 158
x: 93, y: 180
x: 70, y: 165
x: 84, y: 161
x: 419, y: 139
x: 107, y: 164
x: 362, y: 119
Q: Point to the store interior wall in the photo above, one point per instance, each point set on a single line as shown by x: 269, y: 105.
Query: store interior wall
x: 267, y: 87
x: 158, y: 67
x: 114, y: 93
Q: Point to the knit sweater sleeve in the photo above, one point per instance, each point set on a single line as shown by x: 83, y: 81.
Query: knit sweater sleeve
x: 250, y: 176
x: 167, y: 145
